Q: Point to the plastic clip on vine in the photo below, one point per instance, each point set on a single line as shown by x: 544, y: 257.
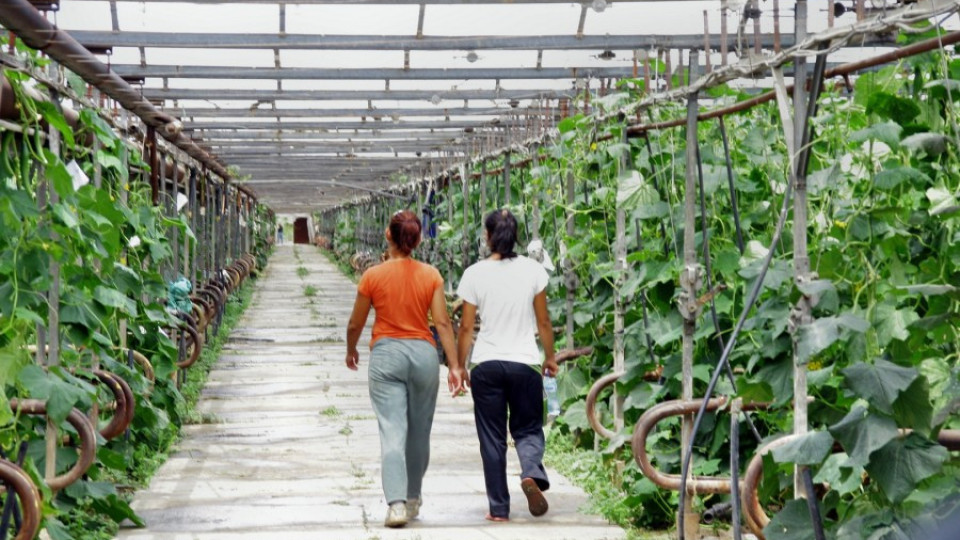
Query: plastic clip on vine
x: 757, y: 285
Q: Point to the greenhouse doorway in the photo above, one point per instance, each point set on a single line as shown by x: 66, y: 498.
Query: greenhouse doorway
x: 301, y: 232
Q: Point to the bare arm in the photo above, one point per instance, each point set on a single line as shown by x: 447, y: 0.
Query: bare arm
x: 441, y: 321
x: 545, y: 329
x: 468, y: 318
x: 358, y: 319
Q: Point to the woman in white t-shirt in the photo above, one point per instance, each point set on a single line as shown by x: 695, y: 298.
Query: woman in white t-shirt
x: 509, y: 293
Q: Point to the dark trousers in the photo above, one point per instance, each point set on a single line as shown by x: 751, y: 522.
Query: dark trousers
x: 502, y: 388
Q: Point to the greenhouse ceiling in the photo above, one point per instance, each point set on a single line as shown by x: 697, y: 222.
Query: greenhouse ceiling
x: 317, y: 102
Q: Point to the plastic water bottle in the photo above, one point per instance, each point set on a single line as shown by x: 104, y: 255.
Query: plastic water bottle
x: 550, y: 390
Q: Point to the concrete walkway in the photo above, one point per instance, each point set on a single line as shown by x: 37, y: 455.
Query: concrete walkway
x: 290, y: 447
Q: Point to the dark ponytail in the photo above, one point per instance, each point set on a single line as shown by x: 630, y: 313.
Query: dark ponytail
x: 502, y: 228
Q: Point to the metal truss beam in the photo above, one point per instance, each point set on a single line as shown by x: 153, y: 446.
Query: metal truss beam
x: 348, y: 95
x: 393, y: 74
x: 410, y: 43
x: 349, y: 125
x: 385, y: 113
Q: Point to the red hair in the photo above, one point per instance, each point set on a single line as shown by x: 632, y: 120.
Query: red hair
x: 405, y: 231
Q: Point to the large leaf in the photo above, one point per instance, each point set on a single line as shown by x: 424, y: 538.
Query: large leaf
x: 885, y: 132
x: 932, y: 144
x: 879, y: 383
x: 821, y: 333
x: 791, y: 523
x: 576, y: 416
x: 840, y: 473
x: 903, y: 462
x: 861, y: 433
x: 891, y: 323
x: 891, y: 178
x: 114, y: 298
x: 807, y: 449
x: 913, y: 408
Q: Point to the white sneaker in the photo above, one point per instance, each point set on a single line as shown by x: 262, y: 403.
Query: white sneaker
x: 396, y: 515
x: 413, y: 508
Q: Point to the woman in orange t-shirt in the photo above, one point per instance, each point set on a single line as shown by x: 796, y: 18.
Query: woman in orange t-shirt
x: 404, y: 372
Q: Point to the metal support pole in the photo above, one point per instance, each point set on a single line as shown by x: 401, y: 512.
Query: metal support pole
x: 801, y: 260
x: 690, y: 278
x: 190, y: 268
x: 53, y: 300
x: 570, y: 278
x: 482, y: 251
x: 620, y: 268
x: 465, y: 241
x: 506, y: 179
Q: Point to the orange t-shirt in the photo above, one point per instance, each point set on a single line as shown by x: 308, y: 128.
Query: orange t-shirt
x: 401, y: 291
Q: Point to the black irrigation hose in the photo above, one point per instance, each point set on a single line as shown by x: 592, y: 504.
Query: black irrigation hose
x: 735, y: 475
x: 704, y: 237
x: 813, y: 505
x: 656, y: 186
x: 643, y: 298
x: 754, y: 293
x: 733, y: 190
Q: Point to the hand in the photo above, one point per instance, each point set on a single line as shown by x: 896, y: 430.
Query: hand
x: 353, y: 359
x: 550, y: 366
x: 457, y: 381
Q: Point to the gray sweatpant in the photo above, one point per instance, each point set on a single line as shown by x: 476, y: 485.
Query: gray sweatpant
x: 404, y: 380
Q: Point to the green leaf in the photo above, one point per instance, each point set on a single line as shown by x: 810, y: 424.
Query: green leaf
x: 903, y: 462
x: 117, y: 509
x: 843, y: 476
x: 861, y: 433
x: 891, y: 323
x: 66, y: 215
x: 576, y: 416
x: 634, y: 191
x: 942, y: 201
x: 932, y: 144
x: 891, y: 178
x: 929, y: 289
x: 807, y: 449
x: 55, y: 118
x: 900, y: 110
x: 879, y: 383
x: 791, y: 523
x: 57, y: 172
x: 885, y: 132
x: 823, y: 332
x: 913, y: 408
x: 114, y: 298
x: 56, y: 529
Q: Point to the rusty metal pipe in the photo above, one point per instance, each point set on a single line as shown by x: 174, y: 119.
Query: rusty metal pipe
x: 696, y: 485
x: 15, y: 477
x: 591, y: 404
x: 20, y: 17
x: 754, y: 513
x: 88, y: 440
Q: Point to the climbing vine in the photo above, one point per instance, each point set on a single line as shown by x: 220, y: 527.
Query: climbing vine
x: 882, y: 350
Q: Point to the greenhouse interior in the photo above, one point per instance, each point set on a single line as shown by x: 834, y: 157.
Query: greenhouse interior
x: 743, y: 217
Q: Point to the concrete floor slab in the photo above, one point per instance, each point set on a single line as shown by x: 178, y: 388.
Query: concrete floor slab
x: 289, y: 447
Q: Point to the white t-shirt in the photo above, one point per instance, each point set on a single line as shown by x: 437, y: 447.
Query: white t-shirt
x: 503, y: 292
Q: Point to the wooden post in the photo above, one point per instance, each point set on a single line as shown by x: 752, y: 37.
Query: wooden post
x: 690, y: 278
x: 570, y: 277
x: 801, y: 260
x: 724, y: 48
x: 465, y: 241
x: 620, y: 268
x: 53, y: 299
